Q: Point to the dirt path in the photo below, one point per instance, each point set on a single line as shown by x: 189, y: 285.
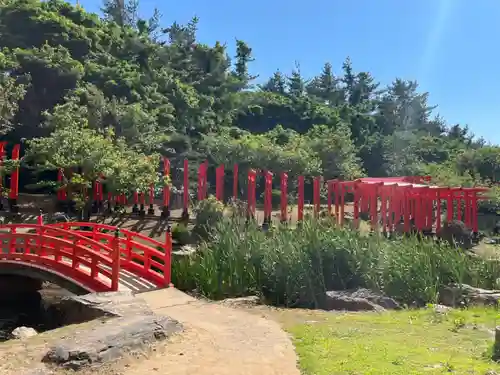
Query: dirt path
x: 218, y: 340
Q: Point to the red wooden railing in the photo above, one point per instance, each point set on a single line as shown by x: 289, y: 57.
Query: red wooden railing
x: 91, y: 258
x: 139, y: 254
x: 90, y: 264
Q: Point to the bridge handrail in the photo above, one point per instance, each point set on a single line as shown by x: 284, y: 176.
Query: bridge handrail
x: 98, y: 226
x: 58, y: 240
x: 56, y: 229
x: 76, y: 254
x: 146, y: 249
x: 149, y: 249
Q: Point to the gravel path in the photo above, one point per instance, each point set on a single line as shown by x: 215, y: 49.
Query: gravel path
x: 217, y: 340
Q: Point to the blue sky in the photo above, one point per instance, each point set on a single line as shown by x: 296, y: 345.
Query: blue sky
x: 448, y: 46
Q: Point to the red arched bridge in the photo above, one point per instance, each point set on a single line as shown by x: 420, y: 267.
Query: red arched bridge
x: 88, y: 257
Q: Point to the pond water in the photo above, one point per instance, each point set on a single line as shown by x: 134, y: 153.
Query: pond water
x: 30, y: 310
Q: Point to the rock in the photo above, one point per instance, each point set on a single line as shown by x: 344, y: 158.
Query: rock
x: 464, y: 295
x: 22, y: 333
x: 455, y: 232
x: 111, y: 340
x: 377, y: 298
x: 185, y: 250
x: 358, y: 300
x: 441, y: 309
x: 131, y: 325
x: 79, y: 309
x: 242, y: 301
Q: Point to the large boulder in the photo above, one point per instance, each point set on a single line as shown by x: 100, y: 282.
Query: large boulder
x: 455, y: 232
x: 111, y: 340
x: 358, y: 300
x: 465, y: 295
x: 79, y: 309
x: 127, y: 324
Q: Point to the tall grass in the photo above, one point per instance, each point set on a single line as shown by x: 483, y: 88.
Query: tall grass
x: 295, y: 267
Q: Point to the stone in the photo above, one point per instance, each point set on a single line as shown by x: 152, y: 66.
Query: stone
x: 338, y: 301
x: 242, y: 301
x: 455, y: 232
x: 58, y: 217
x: 358, y: 300
x: 111, y: 340
x: 79, y: 309
x: 23, y: 333
x: 441, y: 309
x: 377, y: 298
x: 185, y: 250
x: 465, y: 295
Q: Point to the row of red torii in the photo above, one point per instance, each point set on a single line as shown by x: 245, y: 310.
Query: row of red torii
x: 411, y: 201
x: 388, y: 201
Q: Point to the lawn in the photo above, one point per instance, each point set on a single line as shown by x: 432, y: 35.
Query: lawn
x: 403, y: 342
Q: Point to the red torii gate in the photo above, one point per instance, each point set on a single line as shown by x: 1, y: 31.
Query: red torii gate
x: 408, y: 200
x: 405, y: 199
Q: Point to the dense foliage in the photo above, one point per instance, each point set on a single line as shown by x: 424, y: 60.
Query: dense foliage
x: 295, y: 267
x: 115, y: 89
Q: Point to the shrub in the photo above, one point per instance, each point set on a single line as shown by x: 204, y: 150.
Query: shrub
x: 275, y: 198
x: 208, y: 213
x: 295, y: 267
x: 181, y: 234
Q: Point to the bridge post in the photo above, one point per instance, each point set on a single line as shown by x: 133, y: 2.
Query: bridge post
x: 39, y: 219
x: 151, y: 209
x: 167, y: 271
x: 115, y: 271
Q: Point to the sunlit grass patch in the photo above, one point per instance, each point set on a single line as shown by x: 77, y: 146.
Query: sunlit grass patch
x: 402, y: 342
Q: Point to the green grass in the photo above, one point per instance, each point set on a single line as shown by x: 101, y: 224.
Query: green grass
x: 401, y: 342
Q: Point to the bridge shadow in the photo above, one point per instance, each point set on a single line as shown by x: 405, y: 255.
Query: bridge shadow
x: 150, y: 227
x: 159, y: 229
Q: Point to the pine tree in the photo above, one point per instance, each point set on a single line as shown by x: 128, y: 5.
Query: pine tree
x: 277, y: 83
x: 349, y: 78
x: 296, y: 83
x: 325, y: 87
x: 123, y: 12
x: 243, y: 57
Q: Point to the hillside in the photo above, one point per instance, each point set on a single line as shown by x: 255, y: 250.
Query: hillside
x: 110, y: 94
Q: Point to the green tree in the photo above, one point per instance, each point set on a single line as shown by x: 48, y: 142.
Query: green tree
x: 84, y: 154
x: 326, y: 87
x: 296, y: 83
x: 12, y: 90
x: 276, y: 84
x: 122, y: 12
x: 243, y: 58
